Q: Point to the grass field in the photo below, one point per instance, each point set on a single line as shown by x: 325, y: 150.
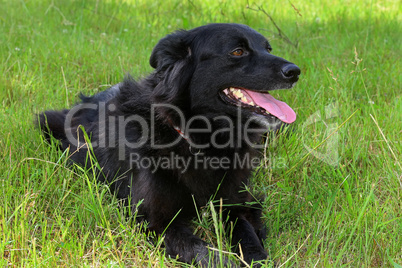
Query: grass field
x: 338, y: 204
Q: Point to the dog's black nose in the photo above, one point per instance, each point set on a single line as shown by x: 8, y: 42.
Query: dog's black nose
x: 291, y: 71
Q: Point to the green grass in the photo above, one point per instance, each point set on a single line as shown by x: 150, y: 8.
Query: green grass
x: 317, y: 214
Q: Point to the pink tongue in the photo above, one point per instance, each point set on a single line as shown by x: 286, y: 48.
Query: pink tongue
x: 277, y: 108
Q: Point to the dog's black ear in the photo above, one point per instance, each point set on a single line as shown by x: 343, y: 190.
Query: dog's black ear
x: 170, y: 49
x: 174, y: 66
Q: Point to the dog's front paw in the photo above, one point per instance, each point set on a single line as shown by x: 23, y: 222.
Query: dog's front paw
x: 215, y: 259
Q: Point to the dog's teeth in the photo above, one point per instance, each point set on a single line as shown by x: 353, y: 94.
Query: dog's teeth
x: 239, y: 94
x: 226, y: 91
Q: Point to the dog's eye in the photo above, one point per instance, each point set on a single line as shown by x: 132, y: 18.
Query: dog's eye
x: 237, y: 52
x: 269, y: 49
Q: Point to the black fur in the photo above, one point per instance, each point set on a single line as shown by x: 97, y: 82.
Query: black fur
x: 192, y: 68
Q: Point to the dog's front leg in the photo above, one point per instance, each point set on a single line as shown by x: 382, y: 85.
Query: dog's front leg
x: 181, y: 242
x: 246, y: 239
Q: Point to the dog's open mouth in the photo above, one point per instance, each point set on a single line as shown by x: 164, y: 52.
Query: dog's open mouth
x: 261, y: 103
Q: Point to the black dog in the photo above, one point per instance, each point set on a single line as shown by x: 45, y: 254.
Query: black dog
x: 187, y: 134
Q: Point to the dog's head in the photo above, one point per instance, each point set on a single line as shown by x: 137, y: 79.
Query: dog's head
x: 217, y: 68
